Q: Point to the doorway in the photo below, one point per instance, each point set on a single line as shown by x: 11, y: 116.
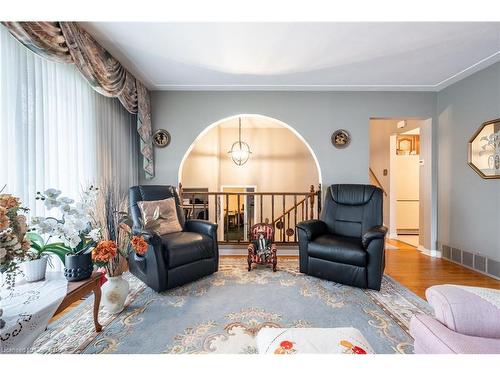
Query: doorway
x: 404, y: 198
x: 401, y: 164
x: 240, y: 214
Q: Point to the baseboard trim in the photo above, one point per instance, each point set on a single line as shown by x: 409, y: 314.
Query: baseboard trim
x: 430, y: 253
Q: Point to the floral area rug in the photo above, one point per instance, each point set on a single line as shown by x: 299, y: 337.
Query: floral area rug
x: 222, y: 313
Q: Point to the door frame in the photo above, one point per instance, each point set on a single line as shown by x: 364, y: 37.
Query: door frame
x: 245, y: 213
x: 427, y: 184
x: 393, y: 193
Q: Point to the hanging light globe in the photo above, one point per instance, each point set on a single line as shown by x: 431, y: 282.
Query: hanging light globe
x: 240, y: 151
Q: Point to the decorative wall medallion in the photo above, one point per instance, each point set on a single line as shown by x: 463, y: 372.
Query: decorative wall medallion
x: 341, y: 138
x: 484, y: 150
x: 161, y: 138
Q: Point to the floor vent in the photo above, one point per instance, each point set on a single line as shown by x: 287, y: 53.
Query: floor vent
x: 472, y: 260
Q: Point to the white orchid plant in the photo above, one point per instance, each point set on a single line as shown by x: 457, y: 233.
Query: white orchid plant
x: 70, y: 230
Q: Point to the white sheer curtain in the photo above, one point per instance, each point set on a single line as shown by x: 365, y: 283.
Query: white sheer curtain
x: 56, y: 131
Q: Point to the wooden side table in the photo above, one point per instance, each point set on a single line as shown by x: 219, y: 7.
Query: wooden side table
x: 79, y: 289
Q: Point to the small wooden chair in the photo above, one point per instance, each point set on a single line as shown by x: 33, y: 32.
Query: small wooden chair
x: 266, y: 251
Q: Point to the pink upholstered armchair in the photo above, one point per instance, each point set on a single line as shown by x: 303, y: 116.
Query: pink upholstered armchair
x: 467, y: 321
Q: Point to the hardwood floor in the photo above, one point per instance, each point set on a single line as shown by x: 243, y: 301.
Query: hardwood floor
x: 417, y: 271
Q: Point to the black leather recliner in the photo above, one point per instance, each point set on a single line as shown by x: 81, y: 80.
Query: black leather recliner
x: 177, y: 258
x: 347, y: 244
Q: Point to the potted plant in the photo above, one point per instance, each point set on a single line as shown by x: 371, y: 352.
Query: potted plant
x: 71, y: 227
x: 35, y: 267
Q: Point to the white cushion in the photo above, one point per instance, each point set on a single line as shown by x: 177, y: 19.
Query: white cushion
x: 346, y: 340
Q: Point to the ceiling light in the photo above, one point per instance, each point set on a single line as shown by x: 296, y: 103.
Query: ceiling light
x: 240, y: 151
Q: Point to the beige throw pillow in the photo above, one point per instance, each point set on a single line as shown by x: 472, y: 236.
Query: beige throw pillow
x: 168, y: 221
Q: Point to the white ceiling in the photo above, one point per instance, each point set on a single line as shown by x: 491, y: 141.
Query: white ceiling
x: 300, y: 56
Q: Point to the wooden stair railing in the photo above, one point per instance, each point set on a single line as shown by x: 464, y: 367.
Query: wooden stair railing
x: 214, y: 205
x: 297, y: 204
x: 377, y: 182
x: 305, y: 205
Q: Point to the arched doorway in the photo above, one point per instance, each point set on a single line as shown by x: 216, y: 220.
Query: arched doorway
x: 274, y: 185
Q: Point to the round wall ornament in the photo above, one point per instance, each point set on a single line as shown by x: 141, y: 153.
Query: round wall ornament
x: 161, y: 138
x: 341, y: 138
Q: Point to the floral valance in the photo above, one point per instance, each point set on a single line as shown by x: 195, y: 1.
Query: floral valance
x: 67, y: 42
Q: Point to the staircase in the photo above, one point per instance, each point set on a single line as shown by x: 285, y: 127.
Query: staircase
x: 301, y: 210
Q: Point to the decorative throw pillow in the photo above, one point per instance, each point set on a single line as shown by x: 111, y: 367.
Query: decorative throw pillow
x: 168, y: 220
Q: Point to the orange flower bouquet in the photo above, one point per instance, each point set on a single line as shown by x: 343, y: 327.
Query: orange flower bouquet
x: 136, y: 242
x: 139, y: 245
x: 106, y: 255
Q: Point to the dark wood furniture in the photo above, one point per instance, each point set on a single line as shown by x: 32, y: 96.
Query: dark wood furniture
x: 77, y: 290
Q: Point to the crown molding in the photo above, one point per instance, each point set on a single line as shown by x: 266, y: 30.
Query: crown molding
x: 480, y: 65
x: 162, y: 87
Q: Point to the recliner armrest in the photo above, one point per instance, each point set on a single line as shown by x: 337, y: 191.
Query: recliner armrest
x: 377, y: 232
x: 313, y: 228
x: 201, y: 227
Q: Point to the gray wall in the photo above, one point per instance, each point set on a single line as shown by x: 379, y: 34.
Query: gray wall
x: 315, y: 115
x: 468, y: 206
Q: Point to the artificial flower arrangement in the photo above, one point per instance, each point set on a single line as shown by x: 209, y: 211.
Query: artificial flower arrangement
x: 14, y: 244
x: 68, y: 233
x: 115, y: 244
x: 110, y: 219
x: 107, y: 255
x: 138, y: 243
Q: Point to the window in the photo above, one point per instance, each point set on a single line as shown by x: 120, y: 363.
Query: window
x: 56, y: 131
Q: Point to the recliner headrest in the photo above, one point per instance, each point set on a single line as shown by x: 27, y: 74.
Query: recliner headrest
x: 352, y: 194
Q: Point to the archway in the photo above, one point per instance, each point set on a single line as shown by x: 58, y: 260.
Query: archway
x: 276, y: 180
x: 246, y: 116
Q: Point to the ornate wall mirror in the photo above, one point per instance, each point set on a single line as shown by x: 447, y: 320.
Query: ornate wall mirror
x: 484, y: 150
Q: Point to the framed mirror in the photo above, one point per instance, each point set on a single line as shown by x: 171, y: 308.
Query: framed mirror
x: 484, y: 150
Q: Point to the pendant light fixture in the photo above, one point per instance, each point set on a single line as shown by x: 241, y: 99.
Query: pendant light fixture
x: 240, y: 151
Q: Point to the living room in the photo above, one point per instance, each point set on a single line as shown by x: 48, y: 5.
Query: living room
x: 229, y: 186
